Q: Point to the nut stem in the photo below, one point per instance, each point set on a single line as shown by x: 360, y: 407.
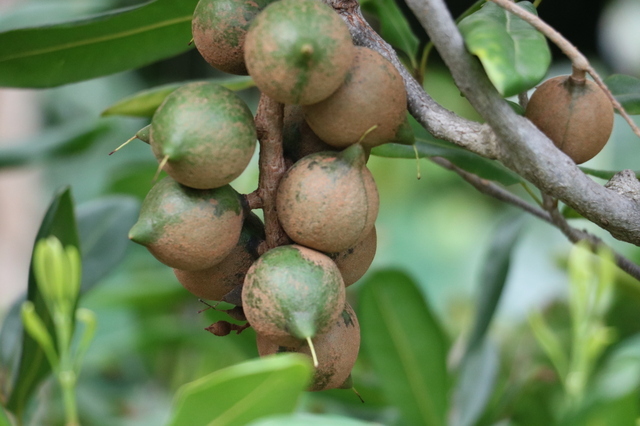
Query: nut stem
x: 313, y: 352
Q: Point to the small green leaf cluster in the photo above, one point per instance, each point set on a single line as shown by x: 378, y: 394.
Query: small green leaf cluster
x: 591, y: 291
x: 58, y: 270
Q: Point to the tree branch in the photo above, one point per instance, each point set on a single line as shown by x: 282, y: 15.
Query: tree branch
x: 550, y: 214
x: 269, y: 125
x: 512, y: 139
x: 493, y: 190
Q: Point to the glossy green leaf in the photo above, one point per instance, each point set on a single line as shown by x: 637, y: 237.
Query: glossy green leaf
x: 36, y: 13
x: 125, y: 39
x: 475, y: 385
x: 145, y: 103
x: 394, y: 27
x: 494, y: 276
x: 307, y: 419
x: 626, y: 90
x: 407, y: 347
x: 59, y: 144
x: 244, y: 392
x: 59, y: 221
x: 466, y: 160
x: 514, y: 55
x: 103, y: 226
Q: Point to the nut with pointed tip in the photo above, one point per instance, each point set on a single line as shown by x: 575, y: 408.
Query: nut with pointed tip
x: 186, y: 228
x: 292, y: 293
x: 205, y: 134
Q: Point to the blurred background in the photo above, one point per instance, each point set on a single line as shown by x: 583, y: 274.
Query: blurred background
x: 437, y: 228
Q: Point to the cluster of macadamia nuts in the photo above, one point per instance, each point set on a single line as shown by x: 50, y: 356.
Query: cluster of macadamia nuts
x: 299, y: 53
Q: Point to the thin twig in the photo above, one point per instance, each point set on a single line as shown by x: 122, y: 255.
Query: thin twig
x: 575, y: 235
x: 253, y: 200
x: 550, y: 214
x: 272, y: 167
x: 578, y: 60
x: 489, y: 188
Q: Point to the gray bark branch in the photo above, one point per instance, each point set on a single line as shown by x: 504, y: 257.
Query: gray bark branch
x: 507, y: 137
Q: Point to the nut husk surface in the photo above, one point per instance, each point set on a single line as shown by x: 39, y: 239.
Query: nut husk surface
x: 354, y: 262
x: 372, y: 94
x: 291, y: 293
x: 188, y: 228
x: 207, y: 132
x: 219, y: 28
x: 576, y: 116
x: 328, y: 201
x: 216, y: 282
x: 298, y: 51
x: 337, y: 351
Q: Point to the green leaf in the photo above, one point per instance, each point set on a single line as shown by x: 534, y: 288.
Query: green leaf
x: 394, y: 27
x: 134, y: 178
x: 494, y: 276
x: 622, y: 411
x: 307, y: 419
x: 59, y: 144
x: 603, y: 174
x: 105, y: 44
x: 620, y: 374
x: 466, y: 160
x: 4, y: 417
x: 550, y: 343
x: 626, y: 90
x: 145, y: 103
x: 244, y: 392
x: 60, y: 222
x: 514, y: 55
x: 103, y: 226
x: 475, y: 384
x: 407, y: 347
